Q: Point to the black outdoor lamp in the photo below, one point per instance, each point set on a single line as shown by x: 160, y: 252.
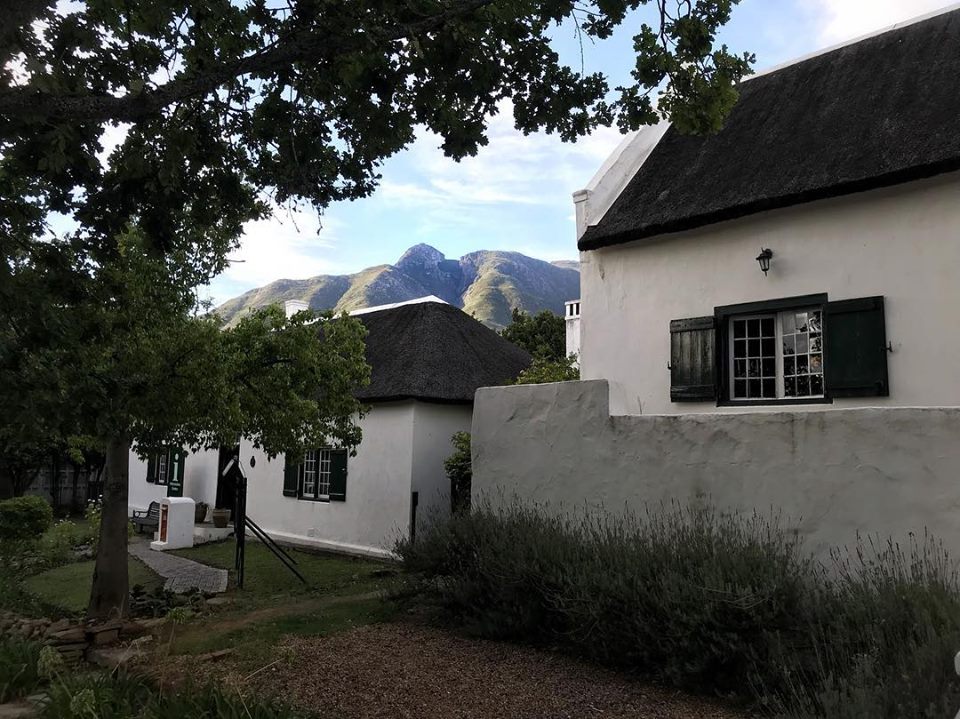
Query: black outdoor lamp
x: 764, y: 259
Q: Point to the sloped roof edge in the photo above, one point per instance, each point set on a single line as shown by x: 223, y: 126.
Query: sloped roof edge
x: 874, y: 112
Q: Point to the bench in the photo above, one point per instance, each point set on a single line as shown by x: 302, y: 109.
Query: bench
x: 149, y: 519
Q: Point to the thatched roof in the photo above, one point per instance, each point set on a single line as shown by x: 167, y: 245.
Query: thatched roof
x: 879, y: 112
x: 434, y: 352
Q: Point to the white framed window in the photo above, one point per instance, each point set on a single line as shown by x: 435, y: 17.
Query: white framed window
x: 776, y: 355
x: 315, y: 474
x: 163, y: 468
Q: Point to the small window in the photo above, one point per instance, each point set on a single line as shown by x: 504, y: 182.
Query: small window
x: 776, y: 355
x: 163, y: 468
x: 315, y: 473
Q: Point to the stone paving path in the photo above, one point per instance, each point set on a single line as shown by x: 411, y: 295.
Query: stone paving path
x: 181, y: 574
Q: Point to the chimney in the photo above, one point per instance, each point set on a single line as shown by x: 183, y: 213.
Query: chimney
x: 291, y: 307
x: 572, y: 317
x: 581, y: 204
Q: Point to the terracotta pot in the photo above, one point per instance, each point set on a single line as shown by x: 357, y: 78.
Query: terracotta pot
x: 220, y: 518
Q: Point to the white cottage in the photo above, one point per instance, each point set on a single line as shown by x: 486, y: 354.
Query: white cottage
x: 769, y: 314
x: 427, y: 360
x: 837, y: 174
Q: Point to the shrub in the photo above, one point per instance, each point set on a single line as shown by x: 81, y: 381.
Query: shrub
x: 24, y: 518
x: 19, y: 675
x: 544, y: 371
x: 887, y: 630
x: 459, y: 472
x: 92, y: 514
x: 56, y: 545
x: 692, y: 596
x: 710, y: 602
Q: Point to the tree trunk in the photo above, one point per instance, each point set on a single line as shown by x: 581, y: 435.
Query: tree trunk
x: 110, y: 591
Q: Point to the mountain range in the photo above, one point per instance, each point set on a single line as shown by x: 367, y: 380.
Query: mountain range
x: 487, y: 284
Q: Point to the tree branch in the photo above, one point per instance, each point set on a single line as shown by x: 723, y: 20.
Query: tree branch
x: 309, y: 45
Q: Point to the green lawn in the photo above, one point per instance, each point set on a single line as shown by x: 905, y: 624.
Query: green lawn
x: 68, y: 587
x: 340, y: 594
x: 266, y: 579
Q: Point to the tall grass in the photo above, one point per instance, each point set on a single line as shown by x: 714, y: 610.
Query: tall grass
x: 121, y: 696
x: 709, y: 602
x: 18, y: 668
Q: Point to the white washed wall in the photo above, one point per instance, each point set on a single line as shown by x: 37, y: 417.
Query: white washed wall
x: 403, y: 448
x: 902, y: 243
x: 199, y: 481
x: 377, y: 508
x: 434, y: 425
x: 833, y: 473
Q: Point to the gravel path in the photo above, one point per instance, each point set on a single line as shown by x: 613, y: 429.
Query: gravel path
x: 181, y: 574
x: 407, y: 670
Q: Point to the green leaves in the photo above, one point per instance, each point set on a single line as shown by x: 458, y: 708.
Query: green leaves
x: 543, y: 335
x: 228, y: 102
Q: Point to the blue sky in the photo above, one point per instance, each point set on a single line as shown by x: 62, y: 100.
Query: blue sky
x: 515, y: 195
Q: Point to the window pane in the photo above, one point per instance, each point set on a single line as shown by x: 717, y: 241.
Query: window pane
x: 754, y: 348
x: 767, y: 327
x: 802, y: 364
x: 769, y: 368
x: 801, y: 344
x: 816, y: 321
x: 816, y: 363
x: 789, y: 345
x: 789, y: 323
x: 753, y: 328
x: 801, y: 321
x: 769, y: 347
x: 770, y: 388
x: 816, y: 343
x: 756, y: 389
x: 753, y: 369
x: 740, y: 368
x: 740, y: 389
x: 789, y: 366
x: 739, y: 329
x: 816, y: 384
x: 803, y: 386
x: 790, y: 387
x: 740, y: 348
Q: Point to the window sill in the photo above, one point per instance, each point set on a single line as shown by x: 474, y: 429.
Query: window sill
x: 322, y: 500
x: 773, y: 402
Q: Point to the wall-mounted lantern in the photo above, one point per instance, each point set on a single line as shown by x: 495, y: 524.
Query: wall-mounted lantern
x: 764, y: 259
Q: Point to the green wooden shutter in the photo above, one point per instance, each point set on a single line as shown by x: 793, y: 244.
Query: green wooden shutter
x: 152, y: 467
x: 855, y: 348
x: 338, y: 475
x: 291, y: 471
x: 176, y: 460
x: 693, y: 371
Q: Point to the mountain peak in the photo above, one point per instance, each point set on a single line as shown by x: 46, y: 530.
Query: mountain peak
x: 485, y: 284
x: 421, y: 255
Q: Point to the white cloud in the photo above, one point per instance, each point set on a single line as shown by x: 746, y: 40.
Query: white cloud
x: 513, y: 169
x: 289, y: 246
x: 846, y: 19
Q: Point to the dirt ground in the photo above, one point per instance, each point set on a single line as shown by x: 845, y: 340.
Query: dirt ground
x: 401, y: 670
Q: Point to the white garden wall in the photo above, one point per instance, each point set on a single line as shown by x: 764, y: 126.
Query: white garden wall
x: 902, y: 243
x: 833, y: 472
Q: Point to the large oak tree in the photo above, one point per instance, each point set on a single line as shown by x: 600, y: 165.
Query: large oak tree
x: 222, y: 110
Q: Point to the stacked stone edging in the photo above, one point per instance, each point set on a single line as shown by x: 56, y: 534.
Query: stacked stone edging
x: 73, y: 639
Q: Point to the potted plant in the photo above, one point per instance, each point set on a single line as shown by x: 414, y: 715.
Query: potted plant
x: 200, y: 512
x: 221, y: 516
